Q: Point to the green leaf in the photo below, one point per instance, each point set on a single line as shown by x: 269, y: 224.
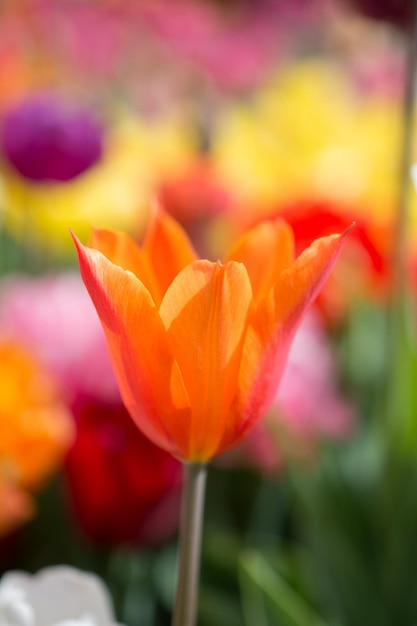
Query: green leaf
x: 219, y: 607
x: 402, y: 380
x: 262, y: 588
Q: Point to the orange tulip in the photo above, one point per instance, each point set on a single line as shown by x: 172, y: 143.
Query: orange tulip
x: 199, y: 347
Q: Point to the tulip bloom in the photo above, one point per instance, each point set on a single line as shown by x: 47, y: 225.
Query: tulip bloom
x: 198, y: 347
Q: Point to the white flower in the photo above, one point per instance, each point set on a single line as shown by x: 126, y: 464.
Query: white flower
x: 55, y: 596
x: 14, y: 608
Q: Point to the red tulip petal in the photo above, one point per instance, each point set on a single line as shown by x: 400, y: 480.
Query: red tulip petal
x: 148, y: 376
x: 265, y: 250
x: 205, y: 313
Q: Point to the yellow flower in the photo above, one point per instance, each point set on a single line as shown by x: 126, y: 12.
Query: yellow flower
x: 113, y: 193
x: 310, y: 134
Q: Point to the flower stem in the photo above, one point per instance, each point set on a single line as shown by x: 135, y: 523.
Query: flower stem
x: 400, y: 242
x: 185, y: 608
x: 398, y: 337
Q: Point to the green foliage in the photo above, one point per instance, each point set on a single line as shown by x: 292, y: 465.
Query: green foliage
x: 402, y: 382
x: 265, y: 591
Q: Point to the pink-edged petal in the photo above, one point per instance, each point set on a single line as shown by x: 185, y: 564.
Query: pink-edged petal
x: 265, y: 250
x: 205, y: 313
x: 272, y: 329
x: 147, y: 374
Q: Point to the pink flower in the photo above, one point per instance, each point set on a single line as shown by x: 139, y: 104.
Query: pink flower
x: 234, y: 44
x: 196, y: 31
x: 53, y: 316
x: 308, y: 407
x: 307, y: 398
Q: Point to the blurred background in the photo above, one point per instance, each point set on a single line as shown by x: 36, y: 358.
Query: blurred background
x: 226, y: 113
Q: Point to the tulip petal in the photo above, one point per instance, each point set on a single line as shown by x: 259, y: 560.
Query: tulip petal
x: 265, y: 250
x: 167, y: 249
x: 270, y: 334
x: 148, y: 376
x: 122, y: 250
x: 205, y: 312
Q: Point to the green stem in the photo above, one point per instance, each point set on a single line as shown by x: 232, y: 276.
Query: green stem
x: 185, y: 608
x: 400, y: 241
x: 396, y: 312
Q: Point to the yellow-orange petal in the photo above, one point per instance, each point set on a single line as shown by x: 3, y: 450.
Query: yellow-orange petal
x: 122, y: 250
x: 148, y: 376
x: 167, y: 249
x: 265, y: 250
x: 205, y: 313
x: 272, y: 328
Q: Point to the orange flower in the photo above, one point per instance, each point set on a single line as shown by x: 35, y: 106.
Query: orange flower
x: 199, y: 347
x: 35, y: 432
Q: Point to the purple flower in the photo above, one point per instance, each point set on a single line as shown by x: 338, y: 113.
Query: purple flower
x: 397, y: 11
x: 47, y: 138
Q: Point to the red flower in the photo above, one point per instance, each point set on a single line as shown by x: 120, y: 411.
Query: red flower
x: 122, y: 487
x: 365, y: 265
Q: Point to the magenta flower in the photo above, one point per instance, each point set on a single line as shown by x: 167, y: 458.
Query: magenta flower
x: 47, y: 138
x: 396, y: 11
